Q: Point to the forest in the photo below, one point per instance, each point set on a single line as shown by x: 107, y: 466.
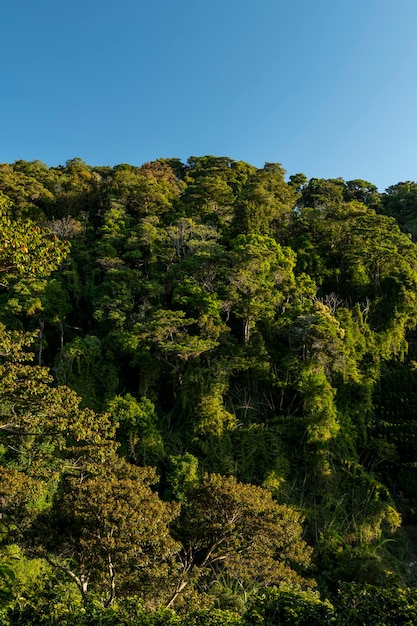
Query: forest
x: 208, y: 396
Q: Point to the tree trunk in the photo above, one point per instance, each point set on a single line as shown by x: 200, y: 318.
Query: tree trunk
x: 40, y: 337
x: 180, y: 587
x: 246, y: 331
x: 61, y: 336
x: 112, y: 576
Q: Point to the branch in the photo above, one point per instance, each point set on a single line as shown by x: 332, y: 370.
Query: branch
x: 112, y: 575
x: 80, y: 581
x: 190, y: 564
x: 11, y: 429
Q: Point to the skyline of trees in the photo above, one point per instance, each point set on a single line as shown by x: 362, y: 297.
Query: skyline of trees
x: 196, y: 359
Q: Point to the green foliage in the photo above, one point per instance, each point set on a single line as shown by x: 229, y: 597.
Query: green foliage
x: 108, y: 530
x: 259, y: 454
x: 400, y: 201
x: 319, y: 408
x: 289, y: 608
x: 27, y: 252
x: 89, y: 369
x: 232, y: 323
x: 7, y: 578
x: 182, y: 475
x: 374, y: 606
x: 260, y: 276
x: 137, y: 429
x: 226, y: 527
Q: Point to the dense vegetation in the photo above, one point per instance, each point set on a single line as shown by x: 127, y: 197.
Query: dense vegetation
x: 207, y: 394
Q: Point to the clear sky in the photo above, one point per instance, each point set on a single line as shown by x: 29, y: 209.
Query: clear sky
x: 325, y: 87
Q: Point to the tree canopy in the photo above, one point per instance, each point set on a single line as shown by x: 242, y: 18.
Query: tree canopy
x: 207, y: 395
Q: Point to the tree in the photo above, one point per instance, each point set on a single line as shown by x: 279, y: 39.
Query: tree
x: 108, y: 531
x: 167, y: 331
x: 137, y: 429
x: 26, y: 250
x: 150, y: 189
x: 289, y: 608
x: 364, y: 260
x: 400, y: 201
x: 211, y: 199
x: 373, y: 605
x: 25, y: 190
x: 238, y: 530
x: 265, y: 203
x: 30, y: 403
x: 319, y: 192
x: 259, y: 280
x: 363, y: 191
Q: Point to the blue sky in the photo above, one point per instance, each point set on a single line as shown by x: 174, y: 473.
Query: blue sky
x: 327, y: 88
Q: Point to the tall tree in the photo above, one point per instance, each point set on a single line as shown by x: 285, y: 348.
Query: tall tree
x: 260, y: 279
x: 238, y: 530
x: 108, y: 531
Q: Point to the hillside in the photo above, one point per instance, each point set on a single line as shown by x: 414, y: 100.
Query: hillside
x: 208, y: 391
